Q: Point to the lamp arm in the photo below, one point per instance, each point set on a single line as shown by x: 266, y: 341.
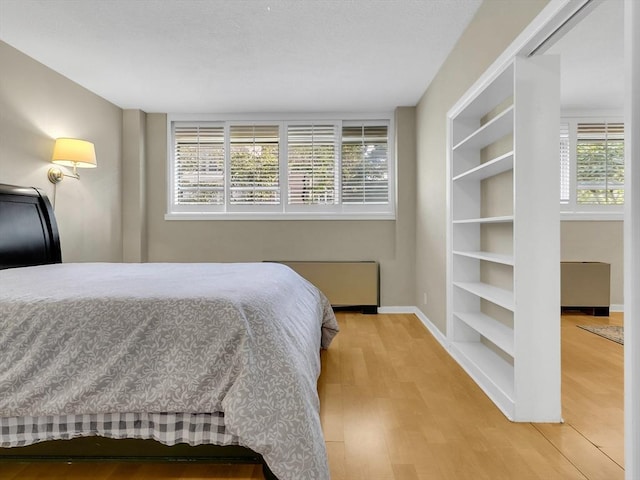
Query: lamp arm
x: 55, y: 175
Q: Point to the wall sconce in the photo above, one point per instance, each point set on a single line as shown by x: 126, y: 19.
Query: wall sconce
x: 71, y: 152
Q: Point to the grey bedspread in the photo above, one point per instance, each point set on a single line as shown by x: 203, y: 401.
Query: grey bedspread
x: 239, y: 338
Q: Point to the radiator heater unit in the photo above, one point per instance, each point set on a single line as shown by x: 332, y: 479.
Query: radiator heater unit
x: 346, y: 284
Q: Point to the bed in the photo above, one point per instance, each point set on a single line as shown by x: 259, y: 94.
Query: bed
x: 191, y: 361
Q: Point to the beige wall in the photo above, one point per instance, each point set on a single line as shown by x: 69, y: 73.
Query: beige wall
x: 494, y: 27
x: 392, y: 243
x: 38, y: 105
x: 596, y: 242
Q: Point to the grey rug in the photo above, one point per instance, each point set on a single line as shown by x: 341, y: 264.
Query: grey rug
x: 611, y: 332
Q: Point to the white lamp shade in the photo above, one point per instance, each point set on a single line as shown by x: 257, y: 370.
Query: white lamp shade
x: 72, y: 152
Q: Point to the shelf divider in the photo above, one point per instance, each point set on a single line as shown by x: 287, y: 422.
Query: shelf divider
x: 499, y: 296
x: 490, y: 328
x: 487, y: 256
x: 501, y: 219
x: 488, y: 133
x: 488, y: 169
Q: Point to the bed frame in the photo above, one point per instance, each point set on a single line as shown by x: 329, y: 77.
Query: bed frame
x: 28, y: 237
x: 28, y: 230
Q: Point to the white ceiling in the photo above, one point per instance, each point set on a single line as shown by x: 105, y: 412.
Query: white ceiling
x: 592, y: 60
x: 242, y: 55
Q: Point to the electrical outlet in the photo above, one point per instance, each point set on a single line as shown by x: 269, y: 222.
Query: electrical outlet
x: 424, y: 298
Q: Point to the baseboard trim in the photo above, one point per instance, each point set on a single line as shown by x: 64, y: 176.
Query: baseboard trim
x: 396, y: 309
x: 616, y: 307
x: 435, y: 331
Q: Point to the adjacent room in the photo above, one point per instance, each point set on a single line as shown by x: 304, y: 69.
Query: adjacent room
x: 396, y: 160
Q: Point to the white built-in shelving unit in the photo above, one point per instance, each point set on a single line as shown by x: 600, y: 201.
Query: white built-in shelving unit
x: 503, y: 323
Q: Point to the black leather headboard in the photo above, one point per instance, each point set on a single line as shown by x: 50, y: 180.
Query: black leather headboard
x: 28, y: 229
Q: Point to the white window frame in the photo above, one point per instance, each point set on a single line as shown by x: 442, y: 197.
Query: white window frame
x: 571, y: 210
x: 283, y: 211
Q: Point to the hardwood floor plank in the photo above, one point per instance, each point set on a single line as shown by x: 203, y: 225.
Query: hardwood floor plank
x: 12, y: 471
x: 581, y: 452
x: 337, y: 460
x: 593, y: 383
x: 404, y: 472
x: 332, y: 412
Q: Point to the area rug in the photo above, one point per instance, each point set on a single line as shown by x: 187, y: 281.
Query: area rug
x: 611, y: 332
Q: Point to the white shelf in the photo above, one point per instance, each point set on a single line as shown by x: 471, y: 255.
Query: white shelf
x: 496, y: 332
x: 478, y: 361
x: 502, y: 219
x: 522, y: 356
x: 491, y: 131
x: 488, y: 169
x: 499, y: 296
x: 488, y: 257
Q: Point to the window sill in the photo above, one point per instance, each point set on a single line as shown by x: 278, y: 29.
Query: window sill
x: 279, y: 216
x: 592, y: 216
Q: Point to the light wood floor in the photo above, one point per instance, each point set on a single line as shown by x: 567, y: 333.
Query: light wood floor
x: 395, y: 406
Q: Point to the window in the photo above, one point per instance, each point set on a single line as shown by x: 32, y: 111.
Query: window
x: 254, y: 165
x: 591, y: 166
x: 365, y: 165
x: 312, y: 165
x: 600, y: 164
x: 281, y: 169
x: 198, y: 168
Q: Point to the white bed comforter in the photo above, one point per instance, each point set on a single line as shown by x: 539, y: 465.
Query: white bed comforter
x: 239, y: 338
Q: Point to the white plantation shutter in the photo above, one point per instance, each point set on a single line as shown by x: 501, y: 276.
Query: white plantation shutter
x: 311, y: 164
x: 239, y: 169
x: 365, y: 167
x: 254, y: 166
x: 600, y: 164
x: 565, y: 165
x: 199, y: 164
